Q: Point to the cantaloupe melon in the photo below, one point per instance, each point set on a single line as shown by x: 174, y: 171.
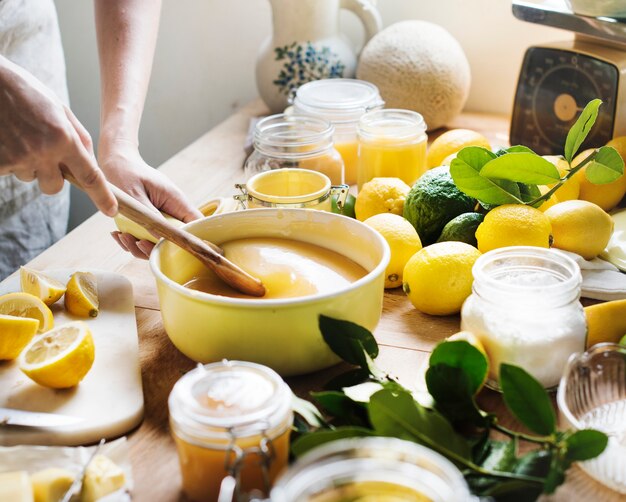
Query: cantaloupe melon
x: 418, y: 66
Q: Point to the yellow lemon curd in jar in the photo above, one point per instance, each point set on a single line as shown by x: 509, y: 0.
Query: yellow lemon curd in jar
x: 288, y: 268
x: 349, y: 151
x: 370, y: 491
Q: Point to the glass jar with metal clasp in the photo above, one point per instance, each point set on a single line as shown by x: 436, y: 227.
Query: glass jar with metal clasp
x: 230, y: 419
x: 291, y: 188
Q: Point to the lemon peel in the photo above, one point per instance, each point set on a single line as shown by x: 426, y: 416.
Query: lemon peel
x: 81, y: 297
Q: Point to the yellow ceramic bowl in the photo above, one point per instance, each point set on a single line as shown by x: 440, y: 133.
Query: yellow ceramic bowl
x: 280, y: 333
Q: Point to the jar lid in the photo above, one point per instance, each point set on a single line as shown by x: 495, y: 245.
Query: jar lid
x: 230, y: 397
x: 337, y: 99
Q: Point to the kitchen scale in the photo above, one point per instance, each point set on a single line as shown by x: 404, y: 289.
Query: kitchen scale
x: 558, y: 79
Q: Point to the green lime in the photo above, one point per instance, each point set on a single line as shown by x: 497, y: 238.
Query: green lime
x: 348, y: 207
x: 462, y: 228
x: 433, y: 201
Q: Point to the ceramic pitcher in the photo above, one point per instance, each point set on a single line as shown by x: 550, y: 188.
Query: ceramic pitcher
x: 306, y: 45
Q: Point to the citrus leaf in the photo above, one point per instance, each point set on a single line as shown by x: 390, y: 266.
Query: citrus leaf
x: 463, y: 355
x: 585, y: 444
x: 348, y: 340
x: 519, y: 149
x: 397, y: 414
x: 522, y: 167
x: 309, y: 441
x: 606, y: 167
x: 579, y: 131
x: 527, y: 400
x: 529, y: 192
x: 307, y: 411
x: 348, y: 379
x: 465, y: 171
x: 500, y: 456
x: 451, y: 391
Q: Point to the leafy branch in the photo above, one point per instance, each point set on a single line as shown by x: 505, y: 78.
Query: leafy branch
x: 513, y: 175
x: 365, y: 401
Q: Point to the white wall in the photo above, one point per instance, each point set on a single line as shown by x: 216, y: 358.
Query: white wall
x: 204, y: 63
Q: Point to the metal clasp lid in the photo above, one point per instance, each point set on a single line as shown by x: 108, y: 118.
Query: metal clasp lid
x: 341, y: 191
x: 242, y: 197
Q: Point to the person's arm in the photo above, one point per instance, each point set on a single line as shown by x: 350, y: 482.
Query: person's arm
x: 127, y: 31
x: 40, y: 138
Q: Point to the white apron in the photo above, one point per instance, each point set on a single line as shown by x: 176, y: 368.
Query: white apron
x: 30, y: 221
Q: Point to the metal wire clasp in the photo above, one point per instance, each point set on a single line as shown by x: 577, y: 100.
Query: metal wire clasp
x: 242, y: 197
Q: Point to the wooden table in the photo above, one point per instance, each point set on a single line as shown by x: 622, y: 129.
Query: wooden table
x: 208, y: 168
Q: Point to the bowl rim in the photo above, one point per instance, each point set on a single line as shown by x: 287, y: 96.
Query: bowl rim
x: 273, y: 302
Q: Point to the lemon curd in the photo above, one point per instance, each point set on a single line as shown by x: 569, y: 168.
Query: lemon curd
x: 230, y: 418
x: 349, y: 151
x: 369, y: 491
x: 287, y: 268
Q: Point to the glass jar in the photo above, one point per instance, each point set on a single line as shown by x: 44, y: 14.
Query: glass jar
x: 291, y: 188
x: 230, y: 418
x: 525, y: 310
x: 372, y: 469
x: 298, y: 142
x: 392, y: 143
x: 341, y: 101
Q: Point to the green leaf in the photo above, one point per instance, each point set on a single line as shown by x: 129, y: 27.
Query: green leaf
x: 529, y: 192
x: 527, y: 400
x: 397, y: 414
x: 606, y: 167
x: 348, y: 379
x: 585, y: 444
x: 463, y: 355
x: 348, y: 340
x: 555, y: 477
x: 309, y: 441
x: 519, y: 149
x: 465, y: 171
x: 307, y: 411
x: 500, y: 456
x: 579, y: 131
x: 535, y: 463
x: 522, y: 167
x: 340, y: 406
x: 451, y: 390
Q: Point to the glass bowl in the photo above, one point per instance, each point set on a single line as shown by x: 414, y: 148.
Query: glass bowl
x: 592, y: 395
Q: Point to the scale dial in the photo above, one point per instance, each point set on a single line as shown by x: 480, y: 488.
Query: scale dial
x: 553, y: 88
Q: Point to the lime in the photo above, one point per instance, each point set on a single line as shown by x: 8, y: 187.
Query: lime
x: 462, y: 228
x: 433, y: 201
x: 348, y: 207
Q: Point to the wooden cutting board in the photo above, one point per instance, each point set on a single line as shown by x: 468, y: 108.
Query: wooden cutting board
x: 109, y: 399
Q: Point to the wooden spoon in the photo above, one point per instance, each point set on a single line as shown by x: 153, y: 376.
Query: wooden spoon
x: 209, y: 254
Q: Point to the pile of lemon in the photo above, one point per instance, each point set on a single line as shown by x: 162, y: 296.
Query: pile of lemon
x: 436, y: 233
x: 53, y: 357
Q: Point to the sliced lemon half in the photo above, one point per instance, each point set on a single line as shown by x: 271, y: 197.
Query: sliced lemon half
x: 15, y: 334
x: 43, y: 287
x: 81, y: 297
x: 61, y: 357
x: 27, y: 305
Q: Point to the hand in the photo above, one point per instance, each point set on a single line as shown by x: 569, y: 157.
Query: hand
x: 40, y: 137
x: 125, y: 168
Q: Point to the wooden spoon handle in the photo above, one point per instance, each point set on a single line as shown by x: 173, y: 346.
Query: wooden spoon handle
x: 157, y: 225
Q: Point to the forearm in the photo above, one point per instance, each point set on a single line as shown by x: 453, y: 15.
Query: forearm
x: 127, y: 32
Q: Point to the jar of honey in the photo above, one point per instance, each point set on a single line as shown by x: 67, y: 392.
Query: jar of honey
x: 371, y: 469
x: 291, y: 188
x: 230, y: 418
x: 295, y: 141
x: 341, y: 101
x: 392, y: 143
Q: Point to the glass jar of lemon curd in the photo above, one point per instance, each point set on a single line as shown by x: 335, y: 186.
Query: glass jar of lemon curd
x: 371, y: 469
x: 392, y: 143
x: 525, y: 310
x: 341, y: 101
x: 230, y: 418
x: 295, y: 141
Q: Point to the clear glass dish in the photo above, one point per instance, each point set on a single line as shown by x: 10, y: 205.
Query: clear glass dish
x: 592, y: 394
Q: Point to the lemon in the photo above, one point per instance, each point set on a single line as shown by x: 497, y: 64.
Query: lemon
x: 50, y: 485
x: 61, y: 357
x: 15, y: 334
x: 513, y: 225
x: 403, y: 242
x: 81, y: 297
x: 606, y: 322
x: 606, y: 196
x: 451, y: 142
x: 438, y: 278
x: 45, y: 288
x: 381, y: 195
x: 581, y: 227
x: 570, y: 190
x: 26, y: 305
x: 472, y: 339
x: 551, y: 201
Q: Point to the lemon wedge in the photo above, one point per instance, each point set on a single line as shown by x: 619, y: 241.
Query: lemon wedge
x: 102, y: 477
x: 50, y: 485
x: 26, y: 305
x: 81, y: 297
x: 45, y: 288
x: 61, y: 357
x: 15, y: 334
